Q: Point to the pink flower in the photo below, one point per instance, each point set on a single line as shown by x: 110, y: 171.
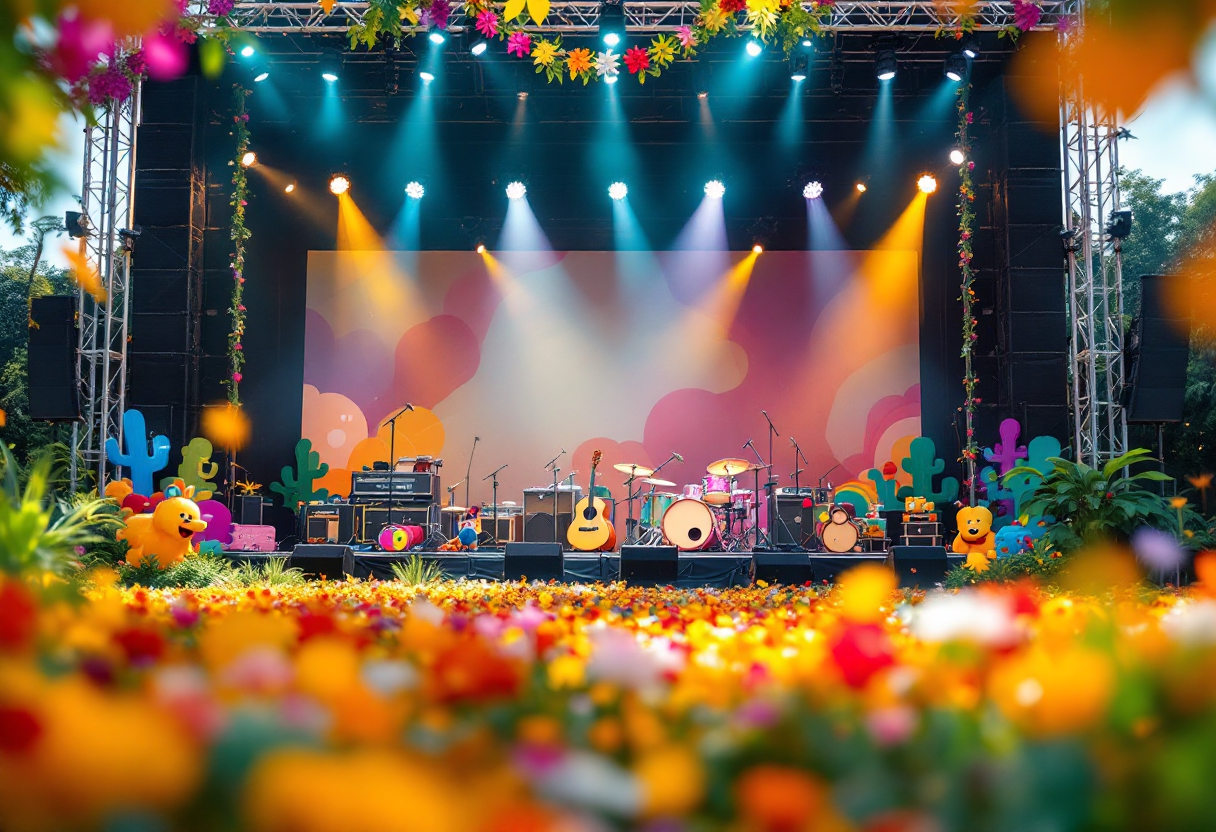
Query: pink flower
x: 519, y: 44
x: 686, y: 37
x: 240, y: 307
x: 111, y: 84
x: 1026, y: 15
x: 81, y: 43
x: 137, y: 64
x: 441, y: 12
x: 165, y: 55
x: 238, y: 346
x: 487, y: 23
x: 220, y: 8
x: 237, y: 377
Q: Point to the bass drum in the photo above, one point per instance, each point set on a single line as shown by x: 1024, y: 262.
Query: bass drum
x: 690, y: 525
x: 840, y: 533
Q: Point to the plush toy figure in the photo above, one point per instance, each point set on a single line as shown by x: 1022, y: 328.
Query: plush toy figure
x: 975, y: 538
x: 167, y: 532
x: 1020, y: 536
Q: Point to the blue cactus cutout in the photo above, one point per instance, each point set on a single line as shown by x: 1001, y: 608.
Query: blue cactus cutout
x: 196, y: 467
x: 886, y: 488
x: 136, y: 459
x: 923, y: 465
x: 999, y: 500
x: 1040, y: 450
x: 1007, y: 451
x: 297, y: 487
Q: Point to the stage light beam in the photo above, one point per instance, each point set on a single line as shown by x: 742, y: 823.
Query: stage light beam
x: 291, y: 188
x: 886, y: 66
x: 757, y: 249
x: 956, y: 67
x: 249, y: 159
x: 427, y: 77
x: 618, y: 190
x: 247, y: 51
x: 261, y: 71
x: 516, y: 190
x: 957, y: 156
x: 612, y: 22
x: 754, y: 48
x: 714, y: 189
x: 437, y: 37
x: 812, y: 190
x: 339, y: 184
x: 414, y: 190
x: 927, y: 184
x: 331, y: 67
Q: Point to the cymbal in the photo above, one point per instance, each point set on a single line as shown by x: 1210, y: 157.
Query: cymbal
x: 659, y: 483
x: 455, y: 509
x: 635, y: 470
x: 727, y: 467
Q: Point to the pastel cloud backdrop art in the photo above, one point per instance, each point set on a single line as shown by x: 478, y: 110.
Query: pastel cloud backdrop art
x: 635, y: 353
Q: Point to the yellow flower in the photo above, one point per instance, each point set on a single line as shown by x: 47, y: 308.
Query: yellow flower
x: 578, y: 61
x: 1178, y: 502
x: 1047, y: 694
x: 663, y: 50
x: 863, y: 591
x: 713, y: 19
x: 673, y: 782
x: 544, y: 53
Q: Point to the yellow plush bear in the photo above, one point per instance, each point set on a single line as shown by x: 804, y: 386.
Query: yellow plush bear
x: 975, y: 537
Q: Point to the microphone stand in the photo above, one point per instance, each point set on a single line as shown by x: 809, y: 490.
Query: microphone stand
x: 392, y: 457
x: 553, y: 464
x: 494, y: 505
x: 469, y: 471
x: 770, y: 491
x: 761, y: 535
x: 798, y: 453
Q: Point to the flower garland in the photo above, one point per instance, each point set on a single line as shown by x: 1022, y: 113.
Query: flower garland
x: 966, y: 228
x: 239, y: 234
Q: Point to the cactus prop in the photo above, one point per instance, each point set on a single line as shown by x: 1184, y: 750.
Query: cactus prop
x: 297, y: 487
x: 1007, y: 451
x: 998, y: 499
x: 196, y: 468
x: 884, y: 485
x: 136, y: 459
x: 923, y: 465
x: 1039, y: 453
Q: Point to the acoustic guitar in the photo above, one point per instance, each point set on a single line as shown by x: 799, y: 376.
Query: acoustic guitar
x: 591, y: 531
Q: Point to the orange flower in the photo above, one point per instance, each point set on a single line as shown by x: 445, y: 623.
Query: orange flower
x: 1202, y: 481
x: 778, y: 798
x: 578, y: 61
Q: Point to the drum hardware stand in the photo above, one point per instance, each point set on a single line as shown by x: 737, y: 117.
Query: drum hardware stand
x: 763, y: 536
x: 552, y: 464
x: 630, y: 526
x: 494, y: 505
x: 797, y: 471
x: 392, y: 456
x: 650, y: 538
x: 770, y: 495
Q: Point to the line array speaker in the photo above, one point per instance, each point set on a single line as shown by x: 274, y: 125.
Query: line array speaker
x: 53, y: 392
x: 1156, y: 354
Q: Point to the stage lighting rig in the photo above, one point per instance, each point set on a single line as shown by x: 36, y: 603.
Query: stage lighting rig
x: 812, y: 189
x: 618, y: 191
x: 714, y: 189
x: 612, y: 22
x: 479, y: 46
x: 427, y: 77
x: 1119, y: 227
x: 437, y: 37
x: 957, y: 66
x: 957, y: 156
x: 861, y: 187
x: 885, y: 63
x: 800, y: 67
x: 516, y: 190
x: 414, y: 190
x: 260, y: 70
x: 339, y: 184
x: 754, y: 48
x: 757, y: 249
x: 700, y: 77
x: 249, y: 159
x: 927, y: 184
x: 481, y: 248
x: 290, y: 189
x: 247, y: 51
x: 612, y: 78
x: 966, y: 45
x: 331, y: 67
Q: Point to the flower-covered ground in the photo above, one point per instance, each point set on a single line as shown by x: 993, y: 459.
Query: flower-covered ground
x: 505, y: 707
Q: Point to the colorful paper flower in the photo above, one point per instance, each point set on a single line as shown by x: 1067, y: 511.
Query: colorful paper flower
x: 441, y: 13
x: 519, y: 44
x: 544, y: 53
x: 686, y: 37
x: 487, y: 23
x: 1026, y: 14
x: 663, y: 50
x: 637, y: 59
x: 732, y: 6
x: 578, y: 61
x: 714, y: 19
x: 607, y: 63
x: 220, y: 8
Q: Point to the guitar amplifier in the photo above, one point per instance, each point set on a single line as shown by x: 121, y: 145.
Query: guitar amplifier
x: 539, y: 513
x: 375, y: 518
x: 399, y: 486
x: 329, y: 523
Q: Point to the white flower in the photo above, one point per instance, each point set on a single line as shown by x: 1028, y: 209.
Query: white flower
x: 968, y: 616
x: 1192, y: 624
x: 607, y: 63
x: 586, y: 780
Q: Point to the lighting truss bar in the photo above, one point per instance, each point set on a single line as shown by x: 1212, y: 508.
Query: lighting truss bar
x: 582, y: 16
x: 107, y: 199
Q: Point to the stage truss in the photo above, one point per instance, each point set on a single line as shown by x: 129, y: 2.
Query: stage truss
x: 1090, y: 188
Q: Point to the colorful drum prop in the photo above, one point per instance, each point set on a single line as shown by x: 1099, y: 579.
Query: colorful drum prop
x: 401, y: 538
x: 690, y: 525
x: 654, y: 506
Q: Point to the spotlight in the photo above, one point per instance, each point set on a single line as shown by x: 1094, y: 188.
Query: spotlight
x: 957, y: 156
x: 612, y: 22
x: 480, y: 46
x: 261, y: 71
x: 414, y: 190
x: 956, y: 66
x: 886, y: 66
x: 331, y: 67
x: 700, y: 77
x: 247, y: 51
x: 437, y: 37
x: 481, y: 248
x: 426, y: 77
x: 927, y: 184
x: 516, y: 190
x: 618, y: 190
x: 1119, y: 226
x: 757, y: 249
x: 703, y: 94
x: 522, y: 95
x: 754, y: 48
x: 799, y: 67
x: 967, y: 46
x: 714, y: 189
x: 249, y: 159
x: 861, y: 187
x: 291, y: 188
x: 338, y: 184
x: 807, y: 43
x: 812, y: 190
x: 612, y: 79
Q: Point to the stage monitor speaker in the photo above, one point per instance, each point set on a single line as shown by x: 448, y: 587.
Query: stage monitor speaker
x: 53, y: 391
x: 375, y: 518
x: 650, y: 565
x: 919, y: 567
x: 792, y: 568
x: 329, y: 523
x: 534, y: 561
x: 322, y: 560
x: 795, y: 525
x: 247, y: 511
x: 538, y: 528
x: 1157, y: 352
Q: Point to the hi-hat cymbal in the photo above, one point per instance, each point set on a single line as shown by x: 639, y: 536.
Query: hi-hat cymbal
x: 455, y: 509
x: 659, y: 483
x: 727, y: 467
x: 635, y: 470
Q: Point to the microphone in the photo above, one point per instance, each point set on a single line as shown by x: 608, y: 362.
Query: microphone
x: 476, y: 438
x: 792, y: 442
x: 677, y: 456
x: 409, y: 407
x: 748, y: 445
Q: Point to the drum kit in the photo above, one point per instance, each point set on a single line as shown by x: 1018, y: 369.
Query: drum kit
x: 715, y: 513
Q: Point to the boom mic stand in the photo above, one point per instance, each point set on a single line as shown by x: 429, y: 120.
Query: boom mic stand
x: 494, y: 505
x: 553, y: 464
x: 770, y: 490
x: 761, y: 535
x: 392, y: 457
x: 468, y: 472
x: 797, y: 471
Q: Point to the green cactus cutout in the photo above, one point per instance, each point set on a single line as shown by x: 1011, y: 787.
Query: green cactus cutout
x: 196, y: 467
x: 886, y: 488
x: 923, y: 465
x: 297, y: 487
x: 1039, y: 451
x: 997, y: 496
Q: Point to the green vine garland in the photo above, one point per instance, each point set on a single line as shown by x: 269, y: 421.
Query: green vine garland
x: 966, y: 229
x: 240, y: 234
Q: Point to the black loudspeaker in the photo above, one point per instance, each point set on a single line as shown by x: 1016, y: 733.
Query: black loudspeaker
x: 330, y: 523
x: 53, y: 391
x: 650, y: 565
x: 373, y: 519
x: 793, y: 568
x: 539, y: 528
x: 322, y: 560
x: 247, y: 511
x: 534, y: 561
x: 1156, y: 356
x: 795, y: 525
x: 919, y: 567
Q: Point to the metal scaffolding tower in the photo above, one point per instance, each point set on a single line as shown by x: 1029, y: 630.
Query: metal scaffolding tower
x: 108, y: 200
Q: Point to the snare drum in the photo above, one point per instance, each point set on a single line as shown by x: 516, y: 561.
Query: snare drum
x: 690, y: 525
x: 716, y: 489
x: 692, y: 492
x: 653, y: 507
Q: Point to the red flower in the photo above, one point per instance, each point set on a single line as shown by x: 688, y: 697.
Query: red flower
x: 733, y: 6
x: 636, y: 59
x: 861, y: 651
x: 18, y: 615
x: 19, y: 730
